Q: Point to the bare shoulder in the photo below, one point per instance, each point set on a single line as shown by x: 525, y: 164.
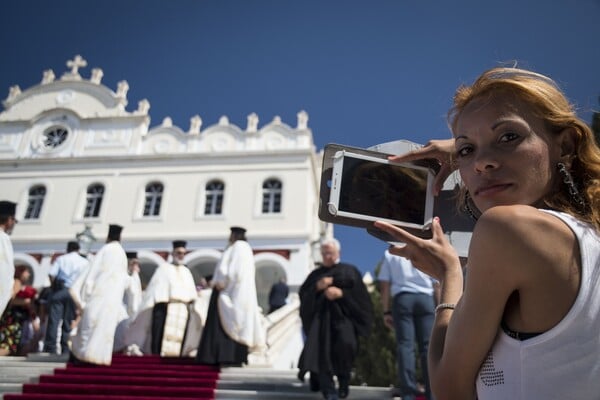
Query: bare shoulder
x: 518, y: 233
x: 519, y: 221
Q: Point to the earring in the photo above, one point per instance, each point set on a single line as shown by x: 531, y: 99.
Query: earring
x: 468, y: 208
x: 568, y: 180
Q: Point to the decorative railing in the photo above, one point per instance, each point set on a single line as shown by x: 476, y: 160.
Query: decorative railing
x: 284, y: 338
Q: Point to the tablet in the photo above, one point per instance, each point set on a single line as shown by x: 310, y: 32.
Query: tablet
x: 371, y: 188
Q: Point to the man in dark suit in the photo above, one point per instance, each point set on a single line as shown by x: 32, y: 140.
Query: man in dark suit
x: 335, y: 308
x: 278, y: 295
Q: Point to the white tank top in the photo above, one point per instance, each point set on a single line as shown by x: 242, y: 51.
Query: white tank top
x: 564, y: 362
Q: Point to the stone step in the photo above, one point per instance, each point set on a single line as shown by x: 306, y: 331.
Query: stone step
x: 14, y: 371
x: 248, y: 390
x: 234, y: 383
x: 258, y: 383
x: 300, y: 393
x: 10, y: 388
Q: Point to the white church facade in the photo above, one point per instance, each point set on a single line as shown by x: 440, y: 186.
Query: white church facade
x: 72, y: 156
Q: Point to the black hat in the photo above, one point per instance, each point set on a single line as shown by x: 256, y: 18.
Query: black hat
x: 8, y: 208
x: 179, y: 243
x: 114, y: 231
x: 131, y: 254
x: 72, y: 246
x: 238, y: 230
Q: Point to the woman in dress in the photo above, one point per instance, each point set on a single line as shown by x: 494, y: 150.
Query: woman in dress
x: 524, y: 324
x: 18, y: 313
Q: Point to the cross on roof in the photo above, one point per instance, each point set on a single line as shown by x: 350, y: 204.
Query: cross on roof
x: 76, y: 63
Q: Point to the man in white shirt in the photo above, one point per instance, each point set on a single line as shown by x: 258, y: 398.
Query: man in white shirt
x: 411, y: 316
x: 63, y: 273
x: 7, y: 263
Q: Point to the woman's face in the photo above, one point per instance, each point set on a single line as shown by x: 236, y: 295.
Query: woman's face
x: 25, y: 275
x: 505, y: 155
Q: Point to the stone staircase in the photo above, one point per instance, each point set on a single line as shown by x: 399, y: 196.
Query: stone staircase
x: 266, y: 383
x: 271, y: 373
x: 14, y: 371
x: 253, y: 382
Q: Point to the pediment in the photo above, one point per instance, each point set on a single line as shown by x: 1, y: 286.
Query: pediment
x: 276, y: 127
x: 164, y: 141
x: 224, y: 129
x: 84, y: 98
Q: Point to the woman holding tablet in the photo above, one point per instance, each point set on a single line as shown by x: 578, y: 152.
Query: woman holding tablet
x: 525, y: 323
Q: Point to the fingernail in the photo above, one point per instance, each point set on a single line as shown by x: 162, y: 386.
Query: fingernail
x: 437, y: 219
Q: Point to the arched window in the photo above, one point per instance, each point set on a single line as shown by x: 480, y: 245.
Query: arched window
x: 154, y: 193
x: 214, y: 198
x: 35, y: 202
x: 93, y: 200
x: 271, y: 201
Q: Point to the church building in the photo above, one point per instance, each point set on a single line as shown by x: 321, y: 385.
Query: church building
x: 75, y: 159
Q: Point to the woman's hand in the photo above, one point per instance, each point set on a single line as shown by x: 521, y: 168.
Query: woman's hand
x: 435, y: 256
x: 440, y: 150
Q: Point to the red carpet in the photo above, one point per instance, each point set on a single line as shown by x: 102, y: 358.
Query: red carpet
x: 139, y: 378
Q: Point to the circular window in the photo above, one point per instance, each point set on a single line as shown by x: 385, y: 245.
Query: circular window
x: 55, y: 136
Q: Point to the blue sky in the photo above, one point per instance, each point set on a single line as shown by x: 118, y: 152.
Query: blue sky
x: 367, y: 72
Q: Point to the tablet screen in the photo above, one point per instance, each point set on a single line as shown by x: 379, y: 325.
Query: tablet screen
x: 382, y: 190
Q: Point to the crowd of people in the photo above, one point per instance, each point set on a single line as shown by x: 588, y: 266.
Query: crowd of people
x: 95, y: 306
x: 505, y: 326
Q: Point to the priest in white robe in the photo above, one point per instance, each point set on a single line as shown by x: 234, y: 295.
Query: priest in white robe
x: 234, y: 324
x: 170, y: 319
x: 98, y: 294
x: 7, y: 263
x: 132, y: 298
